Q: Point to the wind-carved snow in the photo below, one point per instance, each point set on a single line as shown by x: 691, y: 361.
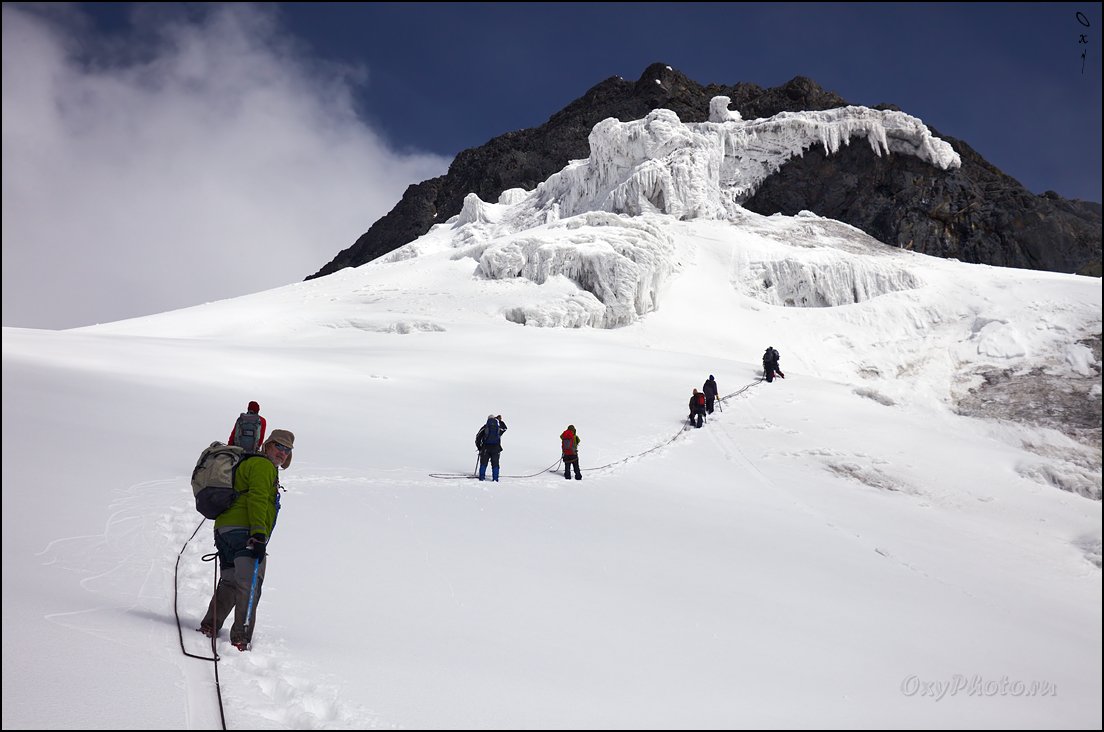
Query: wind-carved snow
x: 797, y: 283
x: 588, y: 224
x: 620, y: 263
x: 510, y: 196
x: 475, y: 211
x: 706, y: 170
x: 846, y: 266
x: 719, y: 111
x: 401, y: 327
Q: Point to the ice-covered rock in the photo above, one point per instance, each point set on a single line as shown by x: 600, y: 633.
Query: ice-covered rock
x: 705, y: 170
x: 510, y: 196
x: 591, y: 222
x: 719, y: 111
x: 475, y: 211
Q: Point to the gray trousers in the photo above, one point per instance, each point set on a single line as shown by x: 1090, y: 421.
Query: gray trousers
x: 232, y: 591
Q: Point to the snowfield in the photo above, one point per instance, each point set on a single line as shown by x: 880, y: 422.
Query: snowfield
x: 903, y: 532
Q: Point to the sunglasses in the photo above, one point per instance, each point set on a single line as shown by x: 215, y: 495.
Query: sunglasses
x: 282, y: 448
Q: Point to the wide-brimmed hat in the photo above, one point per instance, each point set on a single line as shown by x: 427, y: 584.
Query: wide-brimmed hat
x: 284, y: 438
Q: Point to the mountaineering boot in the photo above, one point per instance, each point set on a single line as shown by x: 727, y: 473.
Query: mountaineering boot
x: 207, y: 630
x: 242, y: 646
x: 578, y: 477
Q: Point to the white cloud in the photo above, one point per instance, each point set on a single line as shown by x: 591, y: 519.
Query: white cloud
x: 201, y: 159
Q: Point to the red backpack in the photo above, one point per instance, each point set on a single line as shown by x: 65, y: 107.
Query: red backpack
x: 567, y: 440
x: 701, y: 400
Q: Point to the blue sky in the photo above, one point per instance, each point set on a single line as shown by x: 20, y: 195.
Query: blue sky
x: 1006, y: 78
x: 141, y: 141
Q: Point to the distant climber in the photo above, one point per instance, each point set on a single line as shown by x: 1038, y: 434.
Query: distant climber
x: 488, y: 440
x: 249, y: 429
x: 770, y: 364
x: 569, y: 445
x: 697, y: 408
x: 710, y: 391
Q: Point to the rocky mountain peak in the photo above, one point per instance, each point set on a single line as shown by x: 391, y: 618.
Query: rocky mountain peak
x: 974, y: 213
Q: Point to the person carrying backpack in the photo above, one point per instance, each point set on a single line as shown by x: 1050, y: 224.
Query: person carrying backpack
x: 569, y: 444
x: 488, y: 440
x: 770, y: 365
x: 249, y: 429
x: 697, y: 408
x: 242, y: 533
x: 709, y: 388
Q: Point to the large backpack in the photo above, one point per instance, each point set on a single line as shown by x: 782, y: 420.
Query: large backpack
x: 247, y: 432
x: 213, y: 478
x: 568, y: 443
x: 491, y: 436
x: 700, y: 400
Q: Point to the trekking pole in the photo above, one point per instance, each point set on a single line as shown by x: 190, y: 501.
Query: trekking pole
x: 252, y: 594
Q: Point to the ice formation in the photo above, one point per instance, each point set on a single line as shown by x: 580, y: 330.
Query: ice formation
x: 592, y: 223
x: 795, y: 282
x: 705, y: 170
x: 621, y: 263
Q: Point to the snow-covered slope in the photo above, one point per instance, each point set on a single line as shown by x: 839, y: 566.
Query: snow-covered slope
x: 844, y: 547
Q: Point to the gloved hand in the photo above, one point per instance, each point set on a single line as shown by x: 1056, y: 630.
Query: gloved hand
x: 256, y: 546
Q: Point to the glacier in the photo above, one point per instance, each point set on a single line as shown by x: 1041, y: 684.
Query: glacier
x: 590, y: 224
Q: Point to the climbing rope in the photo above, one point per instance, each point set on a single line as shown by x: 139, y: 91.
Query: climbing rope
x: 554, y: 468
x: 550, y: 469
x: 179, y: 630
x: 676, y: 436
x: 741, y: 390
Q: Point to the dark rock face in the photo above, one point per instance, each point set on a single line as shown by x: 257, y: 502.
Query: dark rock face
x: 975, y: 213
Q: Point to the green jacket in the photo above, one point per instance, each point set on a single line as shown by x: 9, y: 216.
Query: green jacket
x: 256, y: 482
